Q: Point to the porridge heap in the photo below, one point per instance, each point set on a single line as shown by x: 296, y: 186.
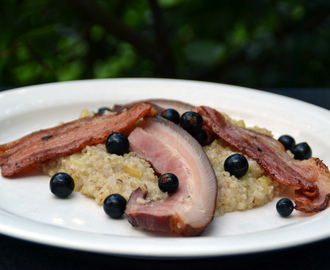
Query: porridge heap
x: 97, y: 174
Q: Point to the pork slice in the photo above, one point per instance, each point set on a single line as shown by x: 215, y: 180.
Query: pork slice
x: 170, y: 149
x: 160, y: 104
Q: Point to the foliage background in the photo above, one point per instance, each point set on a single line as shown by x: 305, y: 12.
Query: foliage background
x: 259, y: 43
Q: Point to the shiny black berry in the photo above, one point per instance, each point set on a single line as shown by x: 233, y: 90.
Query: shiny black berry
x: 117, y: 144
x: 284, y: 207
x: 172, y: 115
x: 201, y: 137
x: 287, y: 141
x: 61, y: 185
x: 236, y: 165
x: 103, y: 110
x: 302, y: 151
x: 168, y: 182
x: 114, y: 205
x: 192, y: 122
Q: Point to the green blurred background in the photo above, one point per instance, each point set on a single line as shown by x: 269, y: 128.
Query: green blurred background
x: 259, y: 43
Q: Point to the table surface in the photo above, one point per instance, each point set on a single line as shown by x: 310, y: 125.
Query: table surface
x: 20, y: 254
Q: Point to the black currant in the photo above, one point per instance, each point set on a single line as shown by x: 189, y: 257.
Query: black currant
x: 117, y: 144
x: 168, y: 182
x: 236, y: 165
x: 114, y: 205
x: 284, y: 207
x: 61, y: 185
x: 302, y: 151
x: 172, y: 115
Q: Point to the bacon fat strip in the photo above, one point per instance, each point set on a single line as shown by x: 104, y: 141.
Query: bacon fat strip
x: 66, y: 139
x: 311, y: 177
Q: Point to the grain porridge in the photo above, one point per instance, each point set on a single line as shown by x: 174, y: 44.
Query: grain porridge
x: 98, y: 174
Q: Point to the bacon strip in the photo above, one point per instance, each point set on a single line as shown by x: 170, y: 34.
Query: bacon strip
x: 311, y: 177
x: 66, y: 139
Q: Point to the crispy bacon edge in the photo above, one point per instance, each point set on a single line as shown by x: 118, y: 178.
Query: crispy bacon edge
x: 66, y: 139
x: 311, y: 177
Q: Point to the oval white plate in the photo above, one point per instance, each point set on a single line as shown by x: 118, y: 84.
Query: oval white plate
x: 29, y: 211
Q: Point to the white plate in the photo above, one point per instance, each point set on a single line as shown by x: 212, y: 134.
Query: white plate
x: 29, y: 211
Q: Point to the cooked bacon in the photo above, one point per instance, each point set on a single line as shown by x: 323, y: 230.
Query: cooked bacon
x: 311, y: 177
x: 66, y: 139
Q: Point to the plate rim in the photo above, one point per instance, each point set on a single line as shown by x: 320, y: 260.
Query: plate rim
x: 20, y: 235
